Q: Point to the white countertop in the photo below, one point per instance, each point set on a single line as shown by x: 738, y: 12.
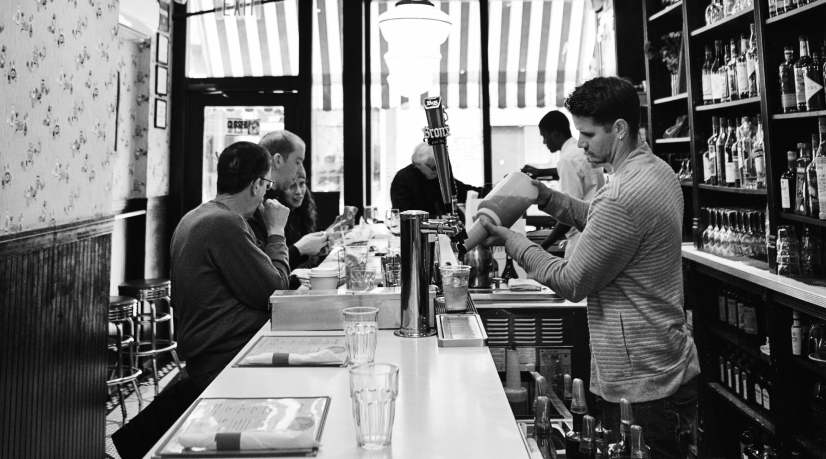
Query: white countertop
x: 786, y: 285
x: 450, y: 405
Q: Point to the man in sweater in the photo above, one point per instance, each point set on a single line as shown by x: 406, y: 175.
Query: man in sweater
x: 221, y: 282
x: 628, y: 265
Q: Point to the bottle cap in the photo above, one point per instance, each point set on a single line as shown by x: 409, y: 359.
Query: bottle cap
x: 626, y: 414
x: 542, y: 413
x: 638, y: 448
x: 587, y: 435
x: 578, y: 404
x: 567, y: 386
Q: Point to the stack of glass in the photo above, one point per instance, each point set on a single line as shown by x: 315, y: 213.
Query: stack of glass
x: 734, y: 232
x: 788, y: 255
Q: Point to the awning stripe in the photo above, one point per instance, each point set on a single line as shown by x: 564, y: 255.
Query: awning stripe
x: 503, y: 56
x: 264, y: 44
x: 273, y: 35
x: 463, y: 61
x: 474, y: 58
x: 244, y: 47
x: 283, y: 38
x: 385, y: 87
x: 209, y: 39
x: 532, y: 56
x: 375, y: 60
x: 325, y: 54
x: 445, y: 50
x: 234, y: 48
x: 563, y: 53
x: 541, y: 73
x: 514, y: 44
x: 523, y: 55
x: 224, y: 46
x: 290, y: 16
x: 334, y: 39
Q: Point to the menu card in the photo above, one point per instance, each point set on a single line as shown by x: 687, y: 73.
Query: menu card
x: 282, y: 351
x: 239, y: 427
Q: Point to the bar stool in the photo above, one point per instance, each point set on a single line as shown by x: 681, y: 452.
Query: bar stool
x: 121, y: 311
x: 149, y: 292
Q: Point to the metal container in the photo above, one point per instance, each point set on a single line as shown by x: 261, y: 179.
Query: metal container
x: 483, y: 267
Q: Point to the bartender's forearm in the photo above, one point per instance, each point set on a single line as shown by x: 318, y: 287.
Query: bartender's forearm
x: 568, y: 210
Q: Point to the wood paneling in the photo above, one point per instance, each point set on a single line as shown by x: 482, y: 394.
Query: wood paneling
x: 54, y: 286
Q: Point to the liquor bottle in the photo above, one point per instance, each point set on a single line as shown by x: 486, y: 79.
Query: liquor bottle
x: 759, y: 155
x: 748, y: 318
x: 509, y: 272
x: 812, y: 182
x: 800, y: 71
x: 638, y: 448
x: 626, y: 421
x: 787, y: 183
x: 736, y: 368
x: 751, y: 65
x: 721, y: 306
x: 820, y: 167
x: 716, y: 79
x: 732, y: 157
x: 817, y: 402
x: 730, y: 369
x: 747, y: 438
x: 578, y: 411
x: 723, y: 75
x: 773, y: 7
x: 731, y: 69
x: 797, y: 331
x: 745, y: 380
x: 588, y: 441
x: 767, y: 390
x: 720, y: 149
x: 542, y: 428
x: 742, y: 68
x: 707, y: 94
x: 757, y: 377
x: 801, y: 205
x: 744, y: 148
x: 722, y: 362
x: 787, y: 83
x: 731, y: 306
x: 710, y: 157
x: 814, y: 84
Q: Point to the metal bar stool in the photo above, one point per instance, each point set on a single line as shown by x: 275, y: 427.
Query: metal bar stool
x: 121, y: 311
x: 149, y: 292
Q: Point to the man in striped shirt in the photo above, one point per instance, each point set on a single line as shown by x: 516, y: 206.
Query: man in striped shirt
x: 628, y: 265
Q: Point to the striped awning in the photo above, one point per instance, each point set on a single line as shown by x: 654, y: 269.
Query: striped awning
x: 539, y: 50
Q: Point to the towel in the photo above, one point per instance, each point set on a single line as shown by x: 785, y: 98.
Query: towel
x: 323, y: 357
x: 524, y: 285
x: 250, y: 440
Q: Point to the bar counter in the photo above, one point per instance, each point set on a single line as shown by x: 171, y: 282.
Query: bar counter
x: 451, y: 402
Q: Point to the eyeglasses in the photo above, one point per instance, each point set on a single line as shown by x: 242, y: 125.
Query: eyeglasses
x: 270, y: 183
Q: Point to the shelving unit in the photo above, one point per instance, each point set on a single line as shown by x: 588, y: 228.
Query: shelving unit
x: 674, y: 9
x: 674, y: 140
x: 803, y: 219
x: 724, y: 189
x: 741, y: 343
x: 789, y: 116
x: 795, y: 12
x: 719, y: 25
x: 732, y: 399
x: 735, y: 103
x: 665, y: 100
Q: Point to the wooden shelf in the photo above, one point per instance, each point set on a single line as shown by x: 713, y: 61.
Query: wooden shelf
x: 810, y: 446
x: 675, y: 140
x: 741, y: 406
x: 750, y: 100
x: 803, y: 219
x: 733, y: 17
x: 814, y: 367
x: 669, y: 9
x: 664, y: 100
x: 739, y: 341
x: 787, y: 116
x: 797, y: 11
x: 724, y: 189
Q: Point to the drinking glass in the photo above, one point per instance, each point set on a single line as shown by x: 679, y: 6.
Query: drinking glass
x: 373, y: 391
x: 392, y: 274
x: 788, y: 257
x: 391, y: 220
x: 360, y: 331
x: 370, y: 214
x: 454, y: 283
x: 360, y: 279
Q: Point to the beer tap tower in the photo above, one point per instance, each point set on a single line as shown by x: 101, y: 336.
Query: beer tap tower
x: 417, y: 254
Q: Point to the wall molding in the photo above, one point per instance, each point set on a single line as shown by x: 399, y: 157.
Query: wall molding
x: 27, y: 241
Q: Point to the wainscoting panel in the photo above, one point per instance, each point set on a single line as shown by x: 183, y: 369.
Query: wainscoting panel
x: 54, y: 286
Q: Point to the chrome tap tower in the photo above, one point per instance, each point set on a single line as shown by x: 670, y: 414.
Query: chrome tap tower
x: 417, y: 314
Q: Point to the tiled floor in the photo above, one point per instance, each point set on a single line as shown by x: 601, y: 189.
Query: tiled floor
x: 114, y: 416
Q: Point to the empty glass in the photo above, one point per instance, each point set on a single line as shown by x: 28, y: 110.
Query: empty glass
x: 788, y: 257
x: 370, y: 215
x: 373, y: 391
x: 360, y: 279
x: 360, y: 331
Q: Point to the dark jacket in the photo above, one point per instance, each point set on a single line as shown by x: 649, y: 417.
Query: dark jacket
x: 411, y: 190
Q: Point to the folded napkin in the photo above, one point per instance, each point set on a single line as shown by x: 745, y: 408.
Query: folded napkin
x: 250, y: 440
x: 324, y: 357
x: 524, y: 285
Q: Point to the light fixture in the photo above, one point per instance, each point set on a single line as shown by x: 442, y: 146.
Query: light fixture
x: 414, y: 30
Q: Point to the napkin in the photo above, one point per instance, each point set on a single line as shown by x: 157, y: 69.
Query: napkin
x: 446, y: 252
x: 323, y: 357
x: 524, y: 285
x: 250, y: 440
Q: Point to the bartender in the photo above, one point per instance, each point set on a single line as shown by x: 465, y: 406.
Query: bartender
x: 416, y: 186
x: 628, y: 266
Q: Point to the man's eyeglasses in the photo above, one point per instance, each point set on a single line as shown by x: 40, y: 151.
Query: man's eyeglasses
x: 270, y: 183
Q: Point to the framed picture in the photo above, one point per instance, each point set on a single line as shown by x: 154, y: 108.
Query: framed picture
x: 161, y: 80
x: 163, y: 20
x: 160, y: 113
x: 162, y: 54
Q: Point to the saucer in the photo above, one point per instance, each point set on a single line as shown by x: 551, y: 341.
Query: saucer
x: 817, y: 358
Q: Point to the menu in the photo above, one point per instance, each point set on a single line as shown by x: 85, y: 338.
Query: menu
x: 238, y: 427
x: 279, y: 351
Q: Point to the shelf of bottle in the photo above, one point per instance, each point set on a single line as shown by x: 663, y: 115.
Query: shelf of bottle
x: 803, y: 219
x: 674, y: 140
x: 726, y: 189
x: 733, y: 399
x: 664, y: 100
x: 787, y: 116
x: 740, y: 341
x: 796, y: 11
x: 720, y: 23
x: 734, y: 103
x: 803, y: 361
x: 810, y: 446
x: 676, y: 6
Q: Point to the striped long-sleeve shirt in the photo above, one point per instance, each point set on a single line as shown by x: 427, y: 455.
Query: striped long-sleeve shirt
x: 628, y: 265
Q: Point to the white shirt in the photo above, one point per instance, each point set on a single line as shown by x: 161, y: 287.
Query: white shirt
x: 577, y: 179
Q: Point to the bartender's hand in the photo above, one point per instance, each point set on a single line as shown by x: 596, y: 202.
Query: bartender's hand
x: 544, y: 194
x: 530, y: 170
x: 313, y: 243
x: 275, y: 216
x: 498, y: 234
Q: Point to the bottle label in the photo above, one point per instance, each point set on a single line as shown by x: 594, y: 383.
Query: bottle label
x: 785, y: 194
x: 721, y: 306
x: 759, y: 162
x: 750, y: 67
x: 796, y: 342
x: 737, y: 381
x: 728, y: 374
x: 748, y: 317
x: 789, y: 100
x: 744, y: 377
x: 732, y: 312
x: 811, y: 182
x: 820, y: 170
x: 706, y: 168
x: 758, y: 394
x: 723, y: 77
x: 766, y: 401
x: 722, y: 371
x: 707, y: 91
x: 716, y: 89
x: 813, y: 90
x: 801, y: 190
x: 731, y: 169
x: 800, y: 86
x: 742, y: 78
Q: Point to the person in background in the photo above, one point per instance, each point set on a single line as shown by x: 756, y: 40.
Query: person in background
x: 416, y: 186
x: 576, y: 176
x: 287, y: 150
x: 628, y: 264
x: 222, y: 284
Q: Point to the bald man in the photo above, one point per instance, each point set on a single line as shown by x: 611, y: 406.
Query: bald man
x: 416, y: 186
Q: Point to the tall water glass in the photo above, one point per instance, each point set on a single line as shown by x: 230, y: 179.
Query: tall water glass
x: 454, y: 283
x: 391, y: 220
x: 360, y: 331
x: 373, y: 391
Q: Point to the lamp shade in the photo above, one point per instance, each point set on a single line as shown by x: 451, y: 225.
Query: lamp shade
x: 414, y: 30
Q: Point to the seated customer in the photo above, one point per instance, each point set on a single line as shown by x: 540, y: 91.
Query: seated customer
x: 222, y: 281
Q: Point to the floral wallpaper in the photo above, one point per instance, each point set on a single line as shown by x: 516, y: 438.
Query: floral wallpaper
x: 69, y: 147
